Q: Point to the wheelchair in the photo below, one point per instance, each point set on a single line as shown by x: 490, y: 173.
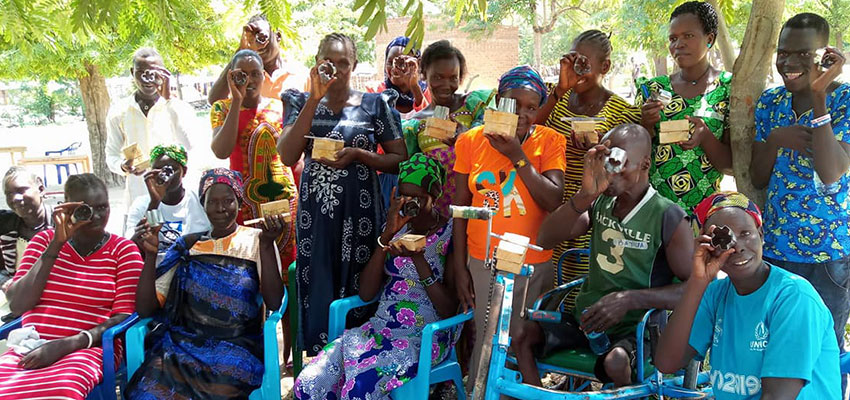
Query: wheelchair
x: 574, y: 363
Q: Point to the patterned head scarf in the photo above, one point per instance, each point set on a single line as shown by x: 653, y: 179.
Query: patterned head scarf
x: 175, y: 152
x: 423, y: 171
x: 402, y: 41
x: 523, y: 77
x: 221, y: 175
x: 721, y: 200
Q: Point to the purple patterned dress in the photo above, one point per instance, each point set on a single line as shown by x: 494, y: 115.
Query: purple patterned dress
x: 370, y: 361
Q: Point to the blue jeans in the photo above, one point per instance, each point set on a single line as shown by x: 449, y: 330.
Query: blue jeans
x: 832, y: 281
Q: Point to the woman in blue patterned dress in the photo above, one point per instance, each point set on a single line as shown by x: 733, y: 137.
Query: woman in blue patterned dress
x: 383, y: 354
x: 340, y: 211
x: 204, y: 293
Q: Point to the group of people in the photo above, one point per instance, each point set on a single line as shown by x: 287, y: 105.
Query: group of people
x: 649, y: 213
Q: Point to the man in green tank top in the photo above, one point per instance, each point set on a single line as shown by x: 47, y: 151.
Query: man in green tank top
x: 640, y: 242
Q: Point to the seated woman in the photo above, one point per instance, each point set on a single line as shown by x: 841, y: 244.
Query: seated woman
x: 204, y: 293
x: 372, y: 360
x: 74, y: 283
x: 444, y: 68
x: 182, y: 212
x: 769, y: 332
x: 26, y: 216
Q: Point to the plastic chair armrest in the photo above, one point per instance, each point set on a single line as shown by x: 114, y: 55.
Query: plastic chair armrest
x: 271, y: 374
x: 563, y: 289
x: 339, y: 310
x: 10, y: 326
x: 428, y: 338
x: 108, y: 343
x: 135, y: 338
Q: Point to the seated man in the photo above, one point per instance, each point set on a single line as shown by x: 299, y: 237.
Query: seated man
x: 640, y: 241
x: 28, y: 214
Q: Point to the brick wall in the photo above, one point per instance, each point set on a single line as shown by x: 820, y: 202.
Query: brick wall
x: 487, y: 57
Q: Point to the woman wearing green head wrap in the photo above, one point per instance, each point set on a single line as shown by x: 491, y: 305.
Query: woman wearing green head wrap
x: 414, y: 292
x: 180, y: 209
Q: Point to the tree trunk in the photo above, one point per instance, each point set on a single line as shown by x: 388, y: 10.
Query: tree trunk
x: 724, y: 41
x: 839, y: 40
x: 179, y: 86
x: 750, y: 72
x: 95, y: 106
x: 538, y: 49
x: 659, y: 63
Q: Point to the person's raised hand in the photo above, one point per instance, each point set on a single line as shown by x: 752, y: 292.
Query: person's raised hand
x: 64, y: 228
x: 395, y: 221
x: 164, y: 88
x: 567, y: 77
x: 237, y: 92
x: 707, y: 260
x: 595, y: 178
x: 155, y: 190
x: 319, y: 89
x: 822, y: 82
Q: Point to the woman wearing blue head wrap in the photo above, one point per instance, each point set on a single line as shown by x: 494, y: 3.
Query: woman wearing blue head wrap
x: 520, y: 178
x: 402, y: 75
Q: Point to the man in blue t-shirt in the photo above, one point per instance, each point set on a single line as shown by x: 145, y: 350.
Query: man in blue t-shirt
x: 801, y: 155
x: 768, y: 329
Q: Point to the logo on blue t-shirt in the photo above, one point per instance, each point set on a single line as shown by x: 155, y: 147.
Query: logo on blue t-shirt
x: 761, y: 334
x: 730, y: 382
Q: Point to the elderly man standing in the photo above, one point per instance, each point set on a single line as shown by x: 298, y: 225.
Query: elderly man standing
x: 150, y: 116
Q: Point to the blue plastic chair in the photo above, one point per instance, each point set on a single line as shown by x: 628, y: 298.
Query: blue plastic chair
x: 419, y: 387
x: 73, y: 147
x: 269, y: 389
x: 111, y: 377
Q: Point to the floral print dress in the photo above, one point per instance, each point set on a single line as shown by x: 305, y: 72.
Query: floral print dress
x: 687, y: 176
x: 370, y: 361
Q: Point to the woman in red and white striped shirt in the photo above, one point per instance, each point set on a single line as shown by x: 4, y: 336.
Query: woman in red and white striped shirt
x: 73, y: 283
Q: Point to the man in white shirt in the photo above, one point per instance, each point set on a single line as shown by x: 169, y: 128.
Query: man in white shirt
x: 149, y: 117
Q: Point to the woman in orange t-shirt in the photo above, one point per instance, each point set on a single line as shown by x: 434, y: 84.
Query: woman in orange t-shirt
x: 521, y: 178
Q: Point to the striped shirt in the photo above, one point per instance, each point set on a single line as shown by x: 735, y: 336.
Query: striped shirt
x: 82, y: 293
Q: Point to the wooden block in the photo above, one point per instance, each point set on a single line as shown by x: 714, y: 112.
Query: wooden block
x: 510, y: 253
x: 584, y: 126
x: 674, y: 131
x: 326, y: 148
x: 277, y: 207
x: 132, y: 152
x: 500, y: 123
x: 412, y: 242
x: 440, y: 128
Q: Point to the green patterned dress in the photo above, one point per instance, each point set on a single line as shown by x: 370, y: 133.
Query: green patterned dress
x: 687, y: 176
